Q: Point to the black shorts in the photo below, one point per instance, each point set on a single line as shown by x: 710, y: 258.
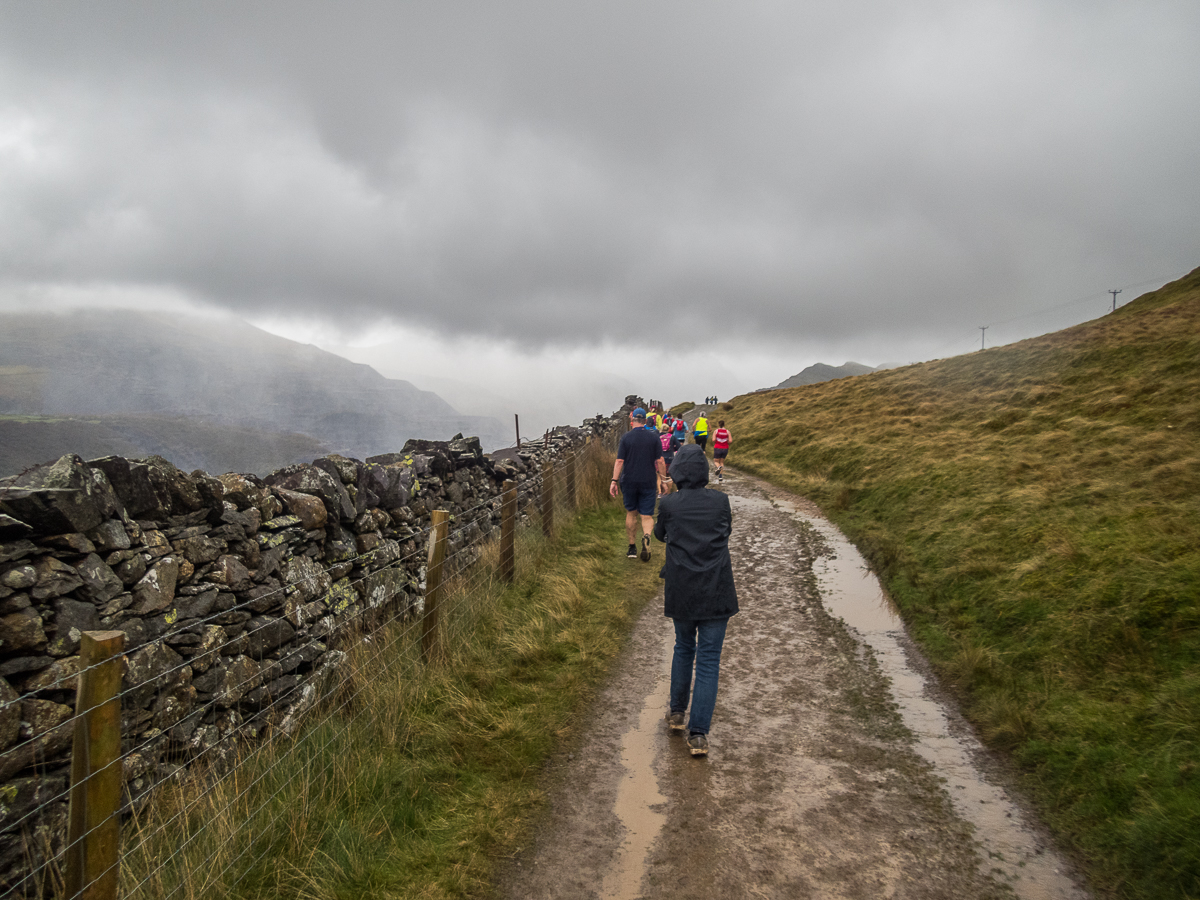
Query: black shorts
x: 720, y: 452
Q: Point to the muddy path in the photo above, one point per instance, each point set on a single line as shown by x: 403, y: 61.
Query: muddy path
x: 835, y: 771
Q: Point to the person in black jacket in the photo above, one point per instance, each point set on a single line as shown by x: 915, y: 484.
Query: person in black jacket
x: 695, y: 524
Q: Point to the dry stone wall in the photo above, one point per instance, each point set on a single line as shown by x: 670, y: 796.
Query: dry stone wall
x: 233, y: 592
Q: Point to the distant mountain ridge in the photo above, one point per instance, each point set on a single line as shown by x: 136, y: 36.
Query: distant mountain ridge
x: 818, y: 372
x: 221, y: 371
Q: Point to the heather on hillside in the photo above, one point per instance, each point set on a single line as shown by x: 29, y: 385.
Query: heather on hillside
x: 1033, y: 509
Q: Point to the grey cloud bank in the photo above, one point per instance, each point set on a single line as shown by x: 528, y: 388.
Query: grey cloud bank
x: 787, y: 178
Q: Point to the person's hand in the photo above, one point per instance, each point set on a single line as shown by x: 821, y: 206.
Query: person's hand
x: 612, y: 489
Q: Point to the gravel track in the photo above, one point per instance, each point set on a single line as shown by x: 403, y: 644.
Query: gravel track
x: 812, y: 787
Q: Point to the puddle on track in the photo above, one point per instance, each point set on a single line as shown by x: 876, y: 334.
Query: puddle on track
x: 1010, y: 846
x: 639, y: 804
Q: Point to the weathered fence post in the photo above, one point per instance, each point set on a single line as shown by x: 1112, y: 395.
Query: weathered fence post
x: 508, y: 528
x: 571, y: 501
x: 517, y: 422
x: 94, y: 827
x: 438, y: 533
x: 548, y: 499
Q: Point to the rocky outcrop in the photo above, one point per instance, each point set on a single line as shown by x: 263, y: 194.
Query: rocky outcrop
x: 234, y: 592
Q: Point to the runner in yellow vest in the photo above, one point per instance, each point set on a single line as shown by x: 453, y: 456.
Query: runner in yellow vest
x: 700, y: 431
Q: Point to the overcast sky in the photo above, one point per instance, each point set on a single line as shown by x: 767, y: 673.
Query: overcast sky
x: 494, y: 191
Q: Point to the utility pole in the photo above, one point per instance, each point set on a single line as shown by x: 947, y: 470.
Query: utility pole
x: 983, y: 336
x: 1114, y: 293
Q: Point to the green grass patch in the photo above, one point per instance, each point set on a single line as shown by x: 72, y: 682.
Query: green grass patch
x: 410, y: 780
x: 1033, y: 510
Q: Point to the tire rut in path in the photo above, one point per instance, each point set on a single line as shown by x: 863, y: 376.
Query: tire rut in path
x: 812, y: 787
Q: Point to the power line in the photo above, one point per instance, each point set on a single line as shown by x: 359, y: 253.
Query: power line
x: 1160, y: 280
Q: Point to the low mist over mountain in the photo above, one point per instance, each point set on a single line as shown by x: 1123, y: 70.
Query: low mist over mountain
x: 211, y: 376
x: 819, y: 372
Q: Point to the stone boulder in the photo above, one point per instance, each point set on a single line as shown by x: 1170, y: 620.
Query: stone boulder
x: 60, y: 497
x: 184, y: 494
x: 230, y: 572
x: 266, y: 633
x: 309, y: 509
x: 312, y: 480
x: 71, y: 619
x: 244, y: 491
x: 379, y: 588
x: 11, y: 528
x: 339, y: 543
x: 390, y: 484
x: 198, y: 549
x: 22, y: 630
x: 130, y: 480
x: 151, y: 669
x: 49, y: 724
x: 60, y: 675
x: 156, y: 590
x: 306, y: 579
x: 249, y: 520
x: 212, y: 491
x: 54, y: 578
x: 10, y: 715
x: 100, y: 582
x: 341, y: 467
x: 110, y: 535
x: 229, y: 680
x: 19, y: 577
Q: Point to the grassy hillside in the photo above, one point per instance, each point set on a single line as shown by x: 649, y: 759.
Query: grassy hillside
x: 1035, y: 511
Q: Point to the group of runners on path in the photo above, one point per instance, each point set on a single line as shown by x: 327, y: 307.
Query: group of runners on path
x: 694, y: 524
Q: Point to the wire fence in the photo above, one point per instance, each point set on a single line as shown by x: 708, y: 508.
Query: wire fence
x: 221, y: 711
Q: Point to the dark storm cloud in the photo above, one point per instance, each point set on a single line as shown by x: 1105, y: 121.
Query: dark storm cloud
x: 558, y: 172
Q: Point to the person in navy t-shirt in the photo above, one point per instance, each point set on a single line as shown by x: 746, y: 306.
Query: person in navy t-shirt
x: 641, y: 475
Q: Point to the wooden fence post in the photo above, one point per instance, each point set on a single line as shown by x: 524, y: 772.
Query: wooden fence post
x: 548, y: 499
x: 571, y: 496
x: 508, y: 528
x: 438, y: 532
x: 94, y: 827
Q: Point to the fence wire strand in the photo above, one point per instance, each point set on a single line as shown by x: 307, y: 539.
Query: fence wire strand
x: 467, y: 584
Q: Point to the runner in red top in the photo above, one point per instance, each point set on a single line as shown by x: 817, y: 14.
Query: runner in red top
x: 720, y: 448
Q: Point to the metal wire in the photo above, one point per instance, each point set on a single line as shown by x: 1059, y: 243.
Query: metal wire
x: 468, y: 582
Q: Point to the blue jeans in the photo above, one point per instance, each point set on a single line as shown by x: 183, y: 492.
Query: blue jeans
x: 699, y: 641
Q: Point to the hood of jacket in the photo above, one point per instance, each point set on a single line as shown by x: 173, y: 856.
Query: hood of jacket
x: 690, y: 468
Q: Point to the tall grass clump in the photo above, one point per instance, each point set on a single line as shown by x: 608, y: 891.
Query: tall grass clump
x: 410, y: 778
x: 1034, y: 511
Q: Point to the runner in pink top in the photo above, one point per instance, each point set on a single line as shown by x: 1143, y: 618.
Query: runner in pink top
x: 720, y: 448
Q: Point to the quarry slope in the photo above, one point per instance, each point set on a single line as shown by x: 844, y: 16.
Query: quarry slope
x: 224, y: 371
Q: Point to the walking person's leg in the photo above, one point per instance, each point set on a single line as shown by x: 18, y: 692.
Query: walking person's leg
x: 710, y: 634
x: 631, y: 519
x: 646, y: 512
x: 681, y: 664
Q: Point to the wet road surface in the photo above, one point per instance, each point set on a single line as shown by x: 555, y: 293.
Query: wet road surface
x: 835, y: 769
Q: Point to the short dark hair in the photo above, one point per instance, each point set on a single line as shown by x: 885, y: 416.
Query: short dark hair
x: 721, y: 424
